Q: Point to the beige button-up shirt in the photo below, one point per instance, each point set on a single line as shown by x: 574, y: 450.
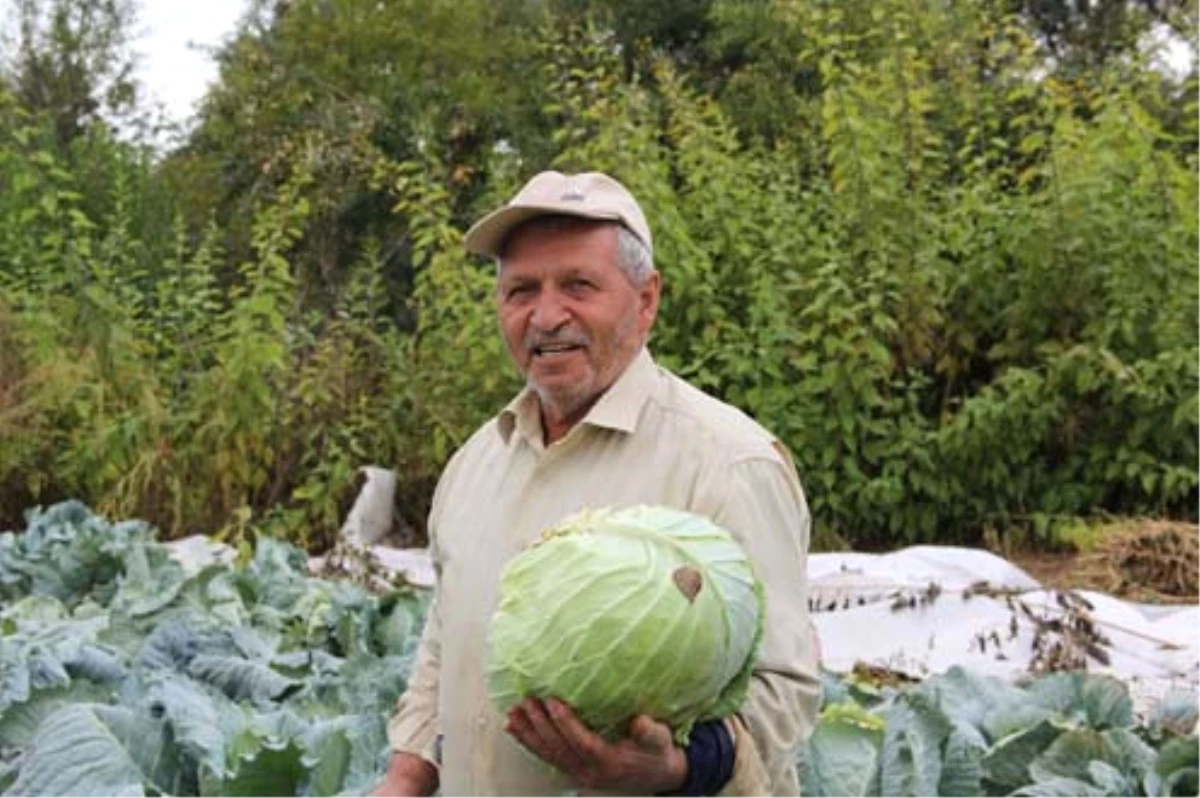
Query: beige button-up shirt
x: 650, y: 439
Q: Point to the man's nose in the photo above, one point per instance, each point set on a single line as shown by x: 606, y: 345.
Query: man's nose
x: 549, y: 313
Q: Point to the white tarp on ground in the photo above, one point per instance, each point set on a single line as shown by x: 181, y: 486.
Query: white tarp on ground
x: 880, y: 609
x: 1152, y: 648
x: 197, y: 551
x: 849, y: 628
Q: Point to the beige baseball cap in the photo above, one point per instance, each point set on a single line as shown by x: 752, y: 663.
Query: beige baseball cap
x: 590, y: 195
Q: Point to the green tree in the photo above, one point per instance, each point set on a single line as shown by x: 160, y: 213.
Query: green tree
x: 358, y: 80
x: 71, y: 62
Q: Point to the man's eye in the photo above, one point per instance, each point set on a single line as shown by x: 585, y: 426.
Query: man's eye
x: 518, y: 291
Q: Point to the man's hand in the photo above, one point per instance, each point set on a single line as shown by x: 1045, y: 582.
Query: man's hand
x: 408, y: 775
x: 645, y: 762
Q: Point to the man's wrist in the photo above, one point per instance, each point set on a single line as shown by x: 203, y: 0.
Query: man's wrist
x: 677, y: 770
x: 708, y: 760
x: 408, y: 774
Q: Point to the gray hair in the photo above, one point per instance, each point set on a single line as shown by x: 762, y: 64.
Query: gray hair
x: 633, y: 256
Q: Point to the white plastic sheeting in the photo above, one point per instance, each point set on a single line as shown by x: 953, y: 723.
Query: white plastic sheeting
x: 1146, y: 639
x: 880, y: 610
x: 862, y: 612
x: 370, y: 519
x: 198, y: 551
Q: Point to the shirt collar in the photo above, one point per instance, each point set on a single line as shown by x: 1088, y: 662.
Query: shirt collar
x: 618, y: 408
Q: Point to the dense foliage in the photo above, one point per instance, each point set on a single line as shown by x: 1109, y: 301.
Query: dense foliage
x: 946, y: 251
x: 960, y: 733
x: 123, y: 673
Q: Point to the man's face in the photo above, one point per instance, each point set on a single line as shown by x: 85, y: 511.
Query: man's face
x: 571, y: 318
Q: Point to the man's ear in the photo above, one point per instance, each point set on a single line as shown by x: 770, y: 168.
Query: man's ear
x: 648, y: 296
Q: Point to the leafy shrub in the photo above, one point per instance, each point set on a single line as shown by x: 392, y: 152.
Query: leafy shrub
x: 961, y: 286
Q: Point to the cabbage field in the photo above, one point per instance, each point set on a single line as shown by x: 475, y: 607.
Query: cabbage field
x: 123, y: 672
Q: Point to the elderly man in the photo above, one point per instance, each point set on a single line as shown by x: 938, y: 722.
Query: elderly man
x: 598, y: 424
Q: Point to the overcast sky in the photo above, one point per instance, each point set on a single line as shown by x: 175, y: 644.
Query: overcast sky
x: 173, y: 44
x: 172, y: 40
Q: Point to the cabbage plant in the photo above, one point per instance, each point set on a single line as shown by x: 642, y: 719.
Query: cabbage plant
x: 629, y: 611
x: 123, y: 673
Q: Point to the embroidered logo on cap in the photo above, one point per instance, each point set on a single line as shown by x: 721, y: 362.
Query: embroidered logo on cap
x: 574, y: 192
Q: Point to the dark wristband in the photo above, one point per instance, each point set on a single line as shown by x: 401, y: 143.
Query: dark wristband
x: 710, y: 757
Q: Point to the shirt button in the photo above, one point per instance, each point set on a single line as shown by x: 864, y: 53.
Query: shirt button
x: 481, y: 721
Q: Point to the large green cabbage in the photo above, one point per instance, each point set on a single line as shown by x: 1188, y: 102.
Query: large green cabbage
x: 621, y: 612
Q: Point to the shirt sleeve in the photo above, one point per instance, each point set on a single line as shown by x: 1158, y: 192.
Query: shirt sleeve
x: 762, y: 504
x: 413, y: 728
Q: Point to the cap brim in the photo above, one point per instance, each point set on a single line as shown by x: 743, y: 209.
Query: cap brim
x: 487, y: 235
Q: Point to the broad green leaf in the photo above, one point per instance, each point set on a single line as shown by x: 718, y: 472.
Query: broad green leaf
x: 1180, y: 752
x: 850, y: 713
x: 911, y: 757
x: 370, y: 750
x: 150, y: 583
x: 92, y: 749
x: 402, y: 616
x: 1071, y: 755
x: 1131, y: 754
x: 15, y: 686
x: 19, y: 722
x: 8, y: 775
x: 833, y: 691
x: 1106, y: 702
x: 985, y: 702
x: 279, y: 572
x: 200, y: 723
x: 266, y: 772
x: 279, y: 726
x: 241, y: 679
x: 254, y: 644
x: 176, y: 641
x: 1176, y: 768
x: 841, y: 758
x: 35, y: 611
x: 367, y: 681
x: 1177, y: 713
x: 95, y: 663
x: 67, y: 552
x: 328, y: 761
x: 1060, y: 786
x: 1111, y: 780
x: 1060, y: 693
x: 962, y: 767
x: 1007, y: 763
x: 1185, y: 781
x: 354, y: 611
x: 215, y: 589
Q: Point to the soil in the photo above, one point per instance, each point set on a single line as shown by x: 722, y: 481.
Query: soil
x: 1055, y: 569
x: 1146, y: 561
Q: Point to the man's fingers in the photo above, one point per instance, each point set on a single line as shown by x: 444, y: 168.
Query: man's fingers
x: 537, y: 731
x: 641, y: 728
x: 552, y: 731
x: 650, y: 733
x: 521, y: 726
x: 582, y: 739
x: 518, y: 724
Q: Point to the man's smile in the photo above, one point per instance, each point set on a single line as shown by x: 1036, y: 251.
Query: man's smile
x: 555, y: 351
